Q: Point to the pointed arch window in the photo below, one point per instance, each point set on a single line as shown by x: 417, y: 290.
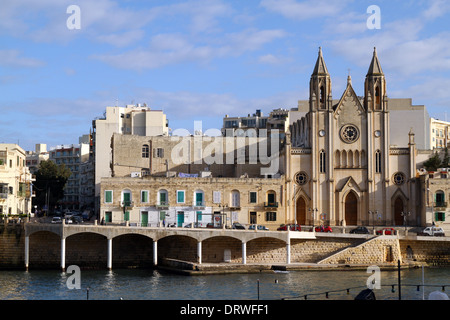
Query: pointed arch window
x: 377, y: 98
x: 322, y: 96
x: 322, y: 161
x: 378, y: 161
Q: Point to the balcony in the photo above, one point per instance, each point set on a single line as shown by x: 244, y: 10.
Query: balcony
x: 440, y: 204
x: 199, y: 205
x: 126, y: 203
x: 163, y: 205
x: 270, y: 204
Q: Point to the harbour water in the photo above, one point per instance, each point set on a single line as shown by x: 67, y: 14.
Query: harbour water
x: 143, y: 284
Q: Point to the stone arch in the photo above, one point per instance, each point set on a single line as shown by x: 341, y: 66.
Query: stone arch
x: 216, y: 249
x: 132, y: 250
x: 177, y: 247
x: 86, y: 250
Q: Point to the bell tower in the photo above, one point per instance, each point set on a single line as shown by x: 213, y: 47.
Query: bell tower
x: 375, y: 86
x: 320, y: 86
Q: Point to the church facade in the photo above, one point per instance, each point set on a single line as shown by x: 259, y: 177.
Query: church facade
x: 340, y: 168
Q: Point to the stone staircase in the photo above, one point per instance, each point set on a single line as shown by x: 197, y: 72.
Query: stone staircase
x: 375, y: 250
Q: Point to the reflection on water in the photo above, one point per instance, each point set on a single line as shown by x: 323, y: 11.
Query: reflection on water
x: 139, y: 284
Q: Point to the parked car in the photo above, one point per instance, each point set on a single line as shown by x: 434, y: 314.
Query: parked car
x: 360, y: 230
x: 196, y: 225
x: 433, y: 231
x: 76, y: 219
x: 388, y: 231
x: 237, y: 225
x: 211, y: 225
x: 292, y: 227
x: 56, y: 220
x: 258, y: 226
x: 323, y: 229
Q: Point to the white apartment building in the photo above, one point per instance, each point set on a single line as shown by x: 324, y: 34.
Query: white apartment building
x: 137, y: 119
x: 34, y: 158
x: 72, y: 156
x: 15, y: 181
x: 440, y: 133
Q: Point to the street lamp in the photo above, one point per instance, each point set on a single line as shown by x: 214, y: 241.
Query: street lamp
x: 404, y: 215
x: 312, y: 212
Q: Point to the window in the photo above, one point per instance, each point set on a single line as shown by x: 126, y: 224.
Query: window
x: 301, y: 178
x: 199, y: 216
x: 253, y: 196
x: 158, y: 153
x: 235, y: 199
x: 322, y: 163
x: 216, y: 196
x: 180, y: 196
x: 126, y: 198
x: 378, y: 161
x: 108, y: 196
x: 252, y: 217
x: 439, y: 199
x: 198, y: 198
x: 377, y: 98
x: 163, y: 197
x: 439, y: 216
x: 399, y: 178
x: 271, y: 216
x: 144, y: 196
x: 145, y: 151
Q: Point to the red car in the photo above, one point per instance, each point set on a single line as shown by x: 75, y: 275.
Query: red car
x: 323, y: 229
x: 292, y: 227
x: 388, y: 231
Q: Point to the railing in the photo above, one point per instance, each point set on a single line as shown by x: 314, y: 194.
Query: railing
x: 199, y: 204
x: 440, y: 204
x: 271, y: 204
x: 162, y: 204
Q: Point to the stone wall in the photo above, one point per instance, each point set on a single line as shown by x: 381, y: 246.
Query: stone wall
x: 12, y: 242
x: 378, y: 250
x: 431, y: 252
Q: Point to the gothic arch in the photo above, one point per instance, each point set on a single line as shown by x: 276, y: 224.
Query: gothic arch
x: 351, y: 208
x: 301, y: 210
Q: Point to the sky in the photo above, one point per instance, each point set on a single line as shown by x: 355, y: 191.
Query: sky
x: 198, y: 60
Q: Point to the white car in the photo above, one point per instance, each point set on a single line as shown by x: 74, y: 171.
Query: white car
x: 433, y: 231
x: 56, y: 220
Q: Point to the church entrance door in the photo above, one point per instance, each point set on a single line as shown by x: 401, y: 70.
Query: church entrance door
x: 398, y: 209
x: 351, y: 209
x: 301, y: 211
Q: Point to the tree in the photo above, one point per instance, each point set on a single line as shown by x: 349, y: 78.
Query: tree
x: 433, y: 162
x: 49, y: 184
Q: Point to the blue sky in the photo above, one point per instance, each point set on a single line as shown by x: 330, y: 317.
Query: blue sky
x: 202, y: 59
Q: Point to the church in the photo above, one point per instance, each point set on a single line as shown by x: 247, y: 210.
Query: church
x: 340, y: 167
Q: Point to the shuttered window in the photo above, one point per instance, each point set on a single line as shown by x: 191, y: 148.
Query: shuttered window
x: 108, y: 196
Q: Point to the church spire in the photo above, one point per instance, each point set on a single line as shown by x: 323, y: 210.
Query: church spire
x: 321, y: 67
x: 375, y: 66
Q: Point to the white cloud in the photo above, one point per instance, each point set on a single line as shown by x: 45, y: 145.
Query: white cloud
x: 13, y: 58
x: 167, y: 49
x: 304, y: 10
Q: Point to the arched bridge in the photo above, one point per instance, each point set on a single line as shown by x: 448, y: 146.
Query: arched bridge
x: 156, y: 234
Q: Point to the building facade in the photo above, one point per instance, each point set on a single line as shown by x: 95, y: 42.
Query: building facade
x: 340, y: 165
x: 440, y: 134
x: 181, y: 201
x: 72, y: 156
x: 130, y: 120
x: 15, y: 181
